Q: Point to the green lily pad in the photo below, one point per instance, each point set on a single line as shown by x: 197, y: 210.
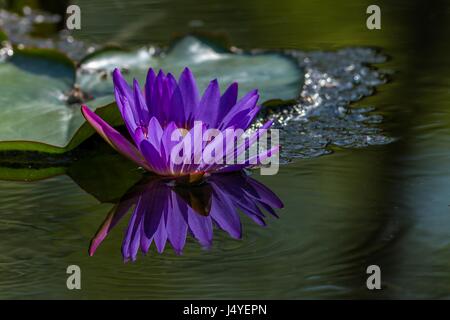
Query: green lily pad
x: 275, y: 75
x: 34, y: 85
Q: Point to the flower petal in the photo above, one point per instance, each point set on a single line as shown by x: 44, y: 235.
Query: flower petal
x: 209, y: 105
x: 149, y: 81
x: 242, y: 108
x: 228, y: 100
x: 176, y: 225
x: 114, y: 138
x: 224, y: 213
x: 189, y: 93
x: 125, y: 100
x: 260, y: 192
x: 200, y: 226
x: 154, y: 158
x: 114, y: 216
x: 157, y: 97
x: 177, y: 108
x: 247, y: 143
x: 125, y: 111
x: 160, y: 236
x: 140, y: 105
x: 253, y: 161
x: 154, y: 207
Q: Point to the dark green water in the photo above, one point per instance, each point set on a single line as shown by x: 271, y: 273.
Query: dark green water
x: 386, y: 205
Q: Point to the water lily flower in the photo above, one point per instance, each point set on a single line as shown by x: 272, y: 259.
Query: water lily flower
x: 165, y: 212
x: 167, y: 108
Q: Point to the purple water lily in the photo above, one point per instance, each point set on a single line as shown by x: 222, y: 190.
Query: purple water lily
x: 167, y: 108
x: 165, y: 212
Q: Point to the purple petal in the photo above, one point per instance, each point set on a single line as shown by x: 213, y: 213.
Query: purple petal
x: 176, y: 225
x: 150, y: 79
x: 245, y: 145
x: 152, y: 134
x: 209, y: 104
x: 224, y: 214
x: 160, y: 236
x: 157, y: 97
x: 189, y: 93
x: 201, y: 227
x: 242, y: 110
x: 154, y: 158
x: 253, y: 161
x: 117, y: 212
x: 125, y: 101
x: 263, y: 194
x: 125, y: 111
x: 155, y: 203
x: 177, y: 108
x: 121, y: 85
x: 145, y: 242
x: 220, y: 148
x: 114, y: 138
x: 269, y: 209
x: 155, y: 133
x: 171, y: 83
x: 171, y: 131
x: 140, y: 105
x: 198, y: 145
x: 228, y: 100
x: 131, y: 242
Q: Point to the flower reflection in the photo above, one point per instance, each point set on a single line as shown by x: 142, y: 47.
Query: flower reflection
x: 167, y: 211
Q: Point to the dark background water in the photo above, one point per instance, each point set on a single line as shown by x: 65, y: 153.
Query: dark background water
x: 386, y: 205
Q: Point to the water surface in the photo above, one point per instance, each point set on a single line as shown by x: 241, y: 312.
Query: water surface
x: 384, y: 204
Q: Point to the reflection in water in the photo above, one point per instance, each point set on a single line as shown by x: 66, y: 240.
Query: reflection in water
x: 167, y: 211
